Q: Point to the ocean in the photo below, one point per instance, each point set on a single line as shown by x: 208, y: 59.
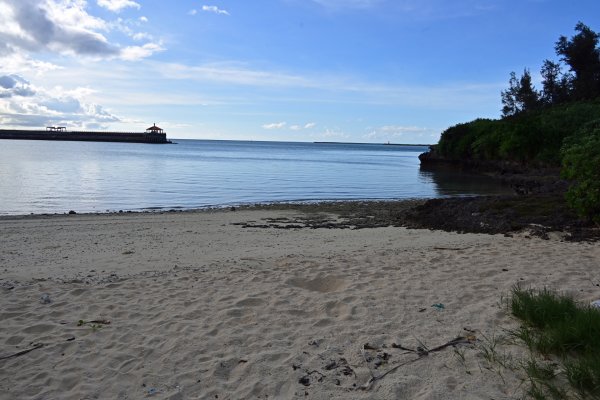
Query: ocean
x: 56, y: 177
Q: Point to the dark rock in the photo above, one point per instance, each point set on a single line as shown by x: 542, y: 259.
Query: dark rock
x: 45, y: 299
x: 305, y: 380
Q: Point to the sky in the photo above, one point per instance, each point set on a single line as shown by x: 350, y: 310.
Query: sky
x: 374, y: 71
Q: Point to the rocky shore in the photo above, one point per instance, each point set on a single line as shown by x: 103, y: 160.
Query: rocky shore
x: 538, y: 204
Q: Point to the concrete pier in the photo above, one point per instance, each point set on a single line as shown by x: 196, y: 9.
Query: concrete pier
x: 88, y: 136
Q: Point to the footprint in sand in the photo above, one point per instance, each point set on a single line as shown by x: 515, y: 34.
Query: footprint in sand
x: 250, y: 302
x: 323, y: 284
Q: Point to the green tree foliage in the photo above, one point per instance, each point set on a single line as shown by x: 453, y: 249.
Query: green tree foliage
x: 582, y: 55
x: 555, y: 84
x: 509, y: 97
x: 581, y: 163
x: 534, y: 137
x: 520, y: 96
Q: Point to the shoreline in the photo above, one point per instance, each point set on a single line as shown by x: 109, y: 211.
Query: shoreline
x: 224, y: 303
x: 538, y: 213
x: 224, y: 207
x: 283, y: 205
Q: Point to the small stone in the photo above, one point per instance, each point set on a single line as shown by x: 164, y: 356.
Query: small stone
x: 305, y: 380
x: 45, y: 299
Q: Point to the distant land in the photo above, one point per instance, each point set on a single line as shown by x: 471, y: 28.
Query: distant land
x: 385, y: 144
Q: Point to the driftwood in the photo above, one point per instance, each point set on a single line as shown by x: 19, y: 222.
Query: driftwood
x: 20, y: 353
x: 420, y: 351
x: 35, y: 347
x: 94, y: 321
x: 374, y: 378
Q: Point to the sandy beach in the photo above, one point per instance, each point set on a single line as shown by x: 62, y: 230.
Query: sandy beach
x: 207, y: 305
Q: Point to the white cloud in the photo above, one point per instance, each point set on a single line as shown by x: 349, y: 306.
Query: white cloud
x: 192, y: 12
x: 31, y: 106
x: 58, y: 26
x: 297, y: 127
x: 141, y: 36
x: 133, y: 53
x: 62, y: 27
x: 274, y: 125
x: 14, y: 85
x: 405, y: 134
x: 118, y: 5
x: 143, y: 19
x: 215, y: 9
x: 129, y: 27
x: 21, y: 63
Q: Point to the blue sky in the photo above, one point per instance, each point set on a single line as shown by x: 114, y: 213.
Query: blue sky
x: 299, y: 70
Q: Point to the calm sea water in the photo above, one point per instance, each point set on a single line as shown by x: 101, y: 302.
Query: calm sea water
x: 55, y: 177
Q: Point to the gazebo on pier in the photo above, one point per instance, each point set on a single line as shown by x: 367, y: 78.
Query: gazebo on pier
x: 154, y: 129
x: 56, y: 129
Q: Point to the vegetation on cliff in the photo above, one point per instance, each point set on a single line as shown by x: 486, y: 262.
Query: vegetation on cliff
x: 581, y: 163
x: 534, y: 138
x: 558, y: 125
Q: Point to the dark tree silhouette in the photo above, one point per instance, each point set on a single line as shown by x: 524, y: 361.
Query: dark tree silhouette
x: 520, y: 96
x: 581, y: 54
x: 555, y: 84
x: 509, y: 96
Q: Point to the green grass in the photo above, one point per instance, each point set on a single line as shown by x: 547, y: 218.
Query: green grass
x: 557, y: 324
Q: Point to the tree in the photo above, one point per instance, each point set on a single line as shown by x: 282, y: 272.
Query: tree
x: 509, y: 97
x: 520, y: 96
x: 583, y: 57
x: 527, y: 96
x: 555, y: 84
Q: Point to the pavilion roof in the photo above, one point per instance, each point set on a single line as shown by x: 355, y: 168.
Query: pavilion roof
x: 154, y: 128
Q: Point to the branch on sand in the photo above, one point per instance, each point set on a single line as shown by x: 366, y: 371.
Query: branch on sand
x: 420, y: 351
x: 20, y: 353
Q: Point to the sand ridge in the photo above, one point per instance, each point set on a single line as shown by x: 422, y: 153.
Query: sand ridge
x: 200, y: 308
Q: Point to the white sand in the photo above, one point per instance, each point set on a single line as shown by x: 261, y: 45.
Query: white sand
x: 200, y: 308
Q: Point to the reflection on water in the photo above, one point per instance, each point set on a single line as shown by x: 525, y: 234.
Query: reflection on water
x: 41, y: 177
x: 451, y: 181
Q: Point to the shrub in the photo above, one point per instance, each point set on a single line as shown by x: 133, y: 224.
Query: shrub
x: 581, y: 164
x: 534, y: 137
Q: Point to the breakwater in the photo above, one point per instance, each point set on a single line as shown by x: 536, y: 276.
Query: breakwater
x: 85, y: 136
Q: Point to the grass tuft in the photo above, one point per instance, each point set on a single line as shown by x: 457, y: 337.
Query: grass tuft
x: 557, y: 324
